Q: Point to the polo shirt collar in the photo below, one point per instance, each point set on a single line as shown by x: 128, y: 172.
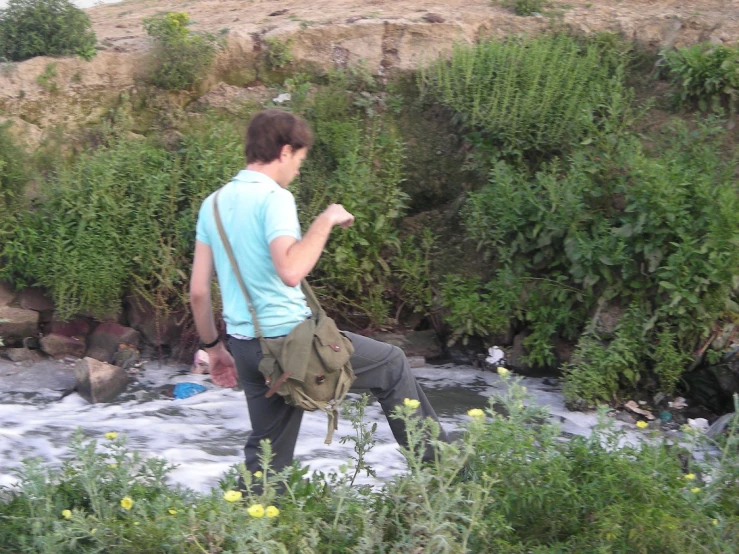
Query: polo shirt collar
x: 249, y: 176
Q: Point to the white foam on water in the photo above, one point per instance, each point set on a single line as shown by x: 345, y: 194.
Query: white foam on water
x: 204, y: 434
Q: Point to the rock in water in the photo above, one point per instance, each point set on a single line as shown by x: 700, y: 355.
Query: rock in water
x: 98, y: 381
x: 105, y: 340
x: 58, y: 346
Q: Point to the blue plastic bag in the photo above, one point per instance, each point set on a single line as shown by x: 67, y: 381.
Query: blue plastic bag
x: 186, y: 390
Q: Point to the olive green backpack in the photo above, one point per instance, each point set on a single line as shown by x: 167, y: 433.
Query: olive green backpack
x: 310, y: 366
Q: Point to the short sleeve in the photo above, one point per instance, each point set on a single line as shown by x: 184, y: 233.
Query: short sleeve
x: 201, y: 231
x: 281, y: 216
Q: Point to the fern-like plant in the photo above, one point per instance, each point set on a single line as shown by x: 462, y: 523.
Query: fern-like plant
x: 526, y: 94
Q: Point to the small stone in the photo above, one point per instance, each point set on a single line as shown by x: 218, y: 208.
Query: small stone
x: 6, y: 294
x: 35, y: 299
x: 105, y: 340
x: 279, y: 12
x: 19, y: 323
x: 77, y: 327
x: 20, y: 354
x: 98, y: 381
x: 416, y: 361
x: 625, y: 417
x: 282, y: 98
x: 433, y: 18
x: 59, y: 346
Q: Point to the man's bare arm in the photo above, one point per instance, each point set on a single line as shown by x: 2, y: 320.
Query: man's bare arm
x: 200, y: 282
x: 222, y: 366
x: 293, y: 258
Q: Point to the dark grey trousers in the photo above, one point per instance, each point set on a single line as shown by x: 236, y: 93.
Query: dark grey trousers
x: 379, y: 367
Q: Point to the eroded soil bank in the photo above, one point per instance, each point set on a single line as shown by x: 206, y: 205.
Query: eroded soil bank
x: 385, y: 35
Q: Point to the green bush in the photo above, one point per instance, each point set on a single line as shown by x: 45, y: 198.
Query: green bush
x: 279, y: 52
x: 706, y: 74
x: 357, y: 162
x: 525, y: 7
x: 612, y: 222
x: 120, y: 220
x: 31, y: 28
x: 181, y: 58
x: 521, y: 95
x: 13, y: 173
x: 510, y: 485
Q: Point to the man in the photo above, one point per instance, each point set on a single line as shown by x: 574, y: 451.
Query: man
x: 260, y: 218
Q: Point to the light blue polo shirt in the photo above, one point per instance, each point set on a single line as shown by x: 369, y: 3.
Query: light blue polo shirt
x: 254, y: 210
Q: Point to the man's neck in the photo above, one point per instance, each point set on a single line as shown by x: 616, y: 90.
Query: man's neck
x: 270, y: 170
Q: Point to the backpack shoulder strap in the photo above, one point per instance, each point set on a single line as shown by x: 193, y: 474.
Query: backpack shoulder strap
x: 234, y: 263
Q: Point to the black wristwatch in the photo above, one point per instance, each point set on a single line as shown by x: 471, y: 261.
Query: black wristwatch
x: 210, y: 344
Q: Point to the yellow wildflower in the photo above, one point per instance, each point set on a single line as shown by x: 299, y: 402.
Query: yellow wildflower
x: 256, y: 510
x: 476, y: 413
x: 689, y: 476
x: 642, y: 424
x: 93, y: 531
x: 136, y: 523
x: 112, y: 466
x: 172, y: 511
x: 695, y: 489
x: 111, y: 435
x: 715, y: 522
x: 126, y: 502
x: 272, y: 511
x: 502, y: 371
x: 232, y: 496
x: 66, y: 514
x: 411, y: 403
x: 258, y: 474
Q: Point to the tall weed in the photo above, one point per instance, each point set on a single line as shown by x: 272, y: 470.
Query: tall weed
x: 120, y: 220
x: 537, y: 94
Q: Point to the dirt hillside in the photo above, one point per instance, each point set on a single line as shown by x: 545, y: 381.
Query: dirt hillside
x: 384, y: 34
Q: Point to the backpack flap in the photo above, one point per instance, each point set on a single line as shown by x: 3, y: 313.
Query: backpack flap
x: 333, y: 348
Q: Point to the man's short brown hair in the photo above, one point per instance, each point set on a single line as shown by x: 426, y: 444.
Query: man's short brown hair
x: 270, y: 130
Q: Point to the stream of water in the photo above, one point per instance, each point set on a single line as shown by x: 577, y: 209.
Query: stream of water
x: 204, y: 434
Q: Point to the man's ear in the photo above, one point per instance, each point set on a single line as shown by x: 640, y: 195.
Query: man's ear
x: 285, y: 152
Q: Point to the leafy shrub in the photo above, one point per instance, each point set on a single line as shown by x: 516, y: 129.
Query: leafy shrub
x: 476, y: 309
x: 31, y: 28
x: 13, y: 174
x: 121, y: 220
x: 535, y: 94
x: 181, y: 57
x: 47, y: 79
x: 356, y: 162
x: 279, y: 52
x: 13, y: 177
x: 612, y: 222
x: 525, y: 7
x: 707, y: 74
